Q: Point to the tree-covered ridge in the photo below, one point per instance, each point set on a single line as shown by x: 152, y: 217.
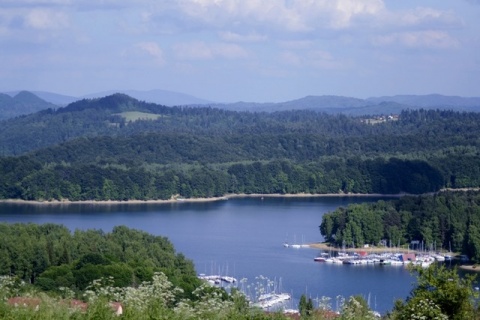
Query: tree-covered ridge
x: 205, y: 152
x: 25, y: 178
x: 102, y: 117
x: 49, y: 256
x: 97, y: 117
x: 448, y: 220
x: 220, y: 148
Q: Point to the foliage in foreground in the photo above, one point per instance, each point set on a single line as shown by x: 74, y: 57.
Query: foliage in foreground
x: 150, y: 300
x: 440, y: 293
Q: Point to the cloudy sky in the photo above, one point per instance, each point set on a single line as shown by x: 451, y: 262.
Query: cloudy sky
x: 250, y: 50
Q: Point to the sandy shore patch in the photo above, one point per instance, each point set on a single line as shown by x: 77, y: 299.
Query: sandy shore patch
x: 180, y: 199
x: 327, y: 247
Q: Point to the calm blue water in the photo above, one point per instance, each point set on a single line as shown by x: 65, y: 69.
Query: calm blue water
x: 242, y: 238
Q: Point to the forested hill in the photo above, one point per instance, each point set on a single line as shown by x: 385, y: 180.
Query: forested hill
x: 122, y: 116
x: 120, y: 148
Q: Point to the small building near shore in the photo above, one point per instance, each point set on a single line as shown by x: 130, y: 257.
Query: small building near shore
x: 408, y: 257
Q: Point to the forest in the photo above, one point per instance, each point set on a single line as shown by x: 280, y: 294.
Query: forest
x: 50, y: 257
x: 119, y: 148
x: 448, y: 220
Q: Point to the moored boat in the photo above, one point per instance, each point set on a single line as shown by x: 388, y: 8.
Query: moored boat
x: 270, y: 300
x: 320, y: 259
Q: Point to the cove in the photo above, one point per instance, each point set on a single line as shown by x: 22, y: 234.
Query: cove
x: 243, y: 238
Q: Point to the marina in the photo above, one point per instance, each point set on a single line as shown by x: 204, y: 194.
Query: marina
x: 264, y: 293
x: 216, y: 279
x: 381, y: 259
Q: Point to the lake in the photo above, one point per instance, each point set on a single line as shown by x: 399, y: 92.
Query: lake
x: 243, y: 238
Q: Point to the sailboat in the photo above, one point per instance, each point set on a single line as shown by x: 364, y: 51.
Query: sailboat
x: 272, y: 299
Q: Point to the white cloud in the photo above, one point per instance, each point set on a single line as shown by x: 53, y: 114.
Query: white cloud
x: 418, y: 39
x: 285, y: 15
x: 80, y: 5
x: 291, y: 58
x: 296, y: 44
x: 35, y: 3
x: 237, y: 37
x: 200, y: 50
x: 319, y: 59
x: 427, y: 16
x: 346, y: 10
x: 153, y: 50
x: 44, y: 19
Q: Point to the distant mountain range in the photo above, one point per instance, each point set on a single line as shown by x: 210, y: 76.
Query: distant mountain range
x: 17, y: 103
x: 355, y: 106
x: 21, y: 103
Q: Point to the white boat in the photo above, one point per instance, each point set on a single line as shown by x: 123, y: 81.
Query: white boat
x: 266, y: 301
x: 385, y: 262
x: 291, y: 311
x: 426, y: 264
x: 395, y: 262
x: 439, y: 257
x: 217, y: 279
x: 228, y: 279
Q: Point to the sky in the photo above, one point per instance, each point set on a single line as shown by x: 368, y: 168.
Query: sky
x: 242, y: 50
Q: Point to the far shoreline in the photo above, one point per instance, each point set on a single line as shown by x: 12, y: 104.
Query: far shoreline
x: 193, y: 200
x: 179, y: 199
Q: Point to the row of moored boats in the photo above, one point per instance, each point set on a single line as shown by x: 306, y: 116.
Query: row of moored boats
x: 398, y: 259
x: 216, y: 279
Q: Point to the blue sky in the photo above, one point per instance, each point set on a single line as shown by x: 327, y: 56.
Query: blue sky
x: 242, y: 50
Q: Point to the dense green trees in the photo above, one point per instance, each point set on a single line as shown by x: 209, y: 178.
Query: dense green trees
x: 50, y: 257
x: 90, y: 150
x: 446, y: 220
x: 299, y: 135
x: 440, y: 293
x: 93, y: 182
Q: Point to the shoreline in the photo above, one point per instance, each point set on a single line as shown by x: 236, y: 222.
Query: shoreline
x: 212, y: 199
x: 177, y: 199
x: 326, y: 247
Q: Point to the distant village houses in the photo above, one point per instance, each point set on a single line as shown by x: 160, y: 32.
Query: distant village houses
x: 380, y: 119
